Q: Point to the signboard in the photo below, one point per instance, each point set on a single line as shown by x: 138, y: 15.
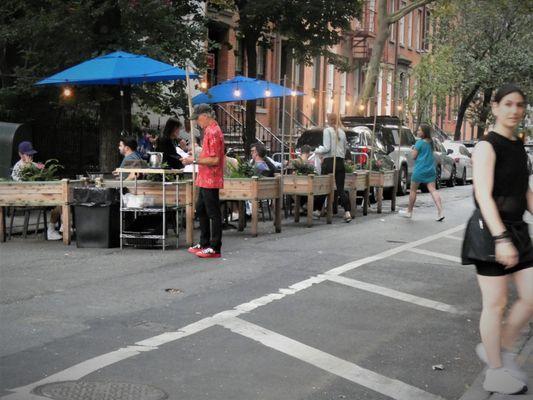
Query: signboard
x: 210, y: 61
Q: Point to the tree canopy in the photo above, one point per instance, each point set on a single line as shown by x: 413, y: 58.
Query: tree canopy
x: 42, y: 37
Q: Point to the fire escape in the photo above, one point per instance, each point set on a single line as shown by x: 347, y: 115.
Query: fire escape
x: 364, y: 30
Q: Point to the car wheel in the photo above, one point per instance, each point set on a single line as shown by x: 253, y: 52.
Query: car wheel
x: 437, y: 180
x: 463, y: 180
x: 402, y: 181
x: 453, y: 176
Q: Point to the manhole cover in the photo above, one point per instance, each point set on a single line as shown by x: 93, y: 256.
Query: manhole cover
x: 79, y: 390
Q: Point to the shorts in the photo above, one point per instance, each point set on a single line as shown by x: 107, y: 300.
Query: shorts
x: 487, y: 268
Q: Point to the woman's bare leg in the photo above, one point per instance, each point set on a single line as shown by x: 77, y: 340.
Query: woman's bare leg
x: 521, y: 311
x: 436, y: 197
x: 412, y: 196
x: 494, y: 299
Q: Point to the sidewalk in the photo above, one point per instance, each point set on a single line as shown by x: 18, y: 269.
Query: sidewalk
x: 525, y: 358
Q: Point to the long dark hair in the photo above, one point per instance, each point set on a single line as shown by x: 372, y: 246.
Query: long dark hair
x: 171, y: 125
x: 426, y: 132
x: 508, y: 89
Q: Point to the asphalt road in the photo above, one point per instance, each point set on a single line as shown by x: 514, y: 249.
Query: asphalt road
x: 376, y: 309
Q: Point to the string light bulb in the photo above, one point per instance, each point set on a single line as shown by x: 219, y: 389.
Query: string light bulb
x: 361, y: 107
x: 293, y: 93
x: 348, y: 103
x: 312, y: 100
x: 203, y: 85
x: 400, y: 108
x: 268, y: 93
x: 237, y: 92
x: 67, y: 92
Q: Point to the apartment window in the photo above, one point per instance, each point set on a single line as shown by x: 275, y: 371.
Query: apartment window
x: 410, y: 30
x: 371, y: 14
x: 329, y: 87
x: 401, y: 38
x: 388, y: 103
x: 425, y: 32
x: 343, y: 94
x: 261, y: 62
x: 316, y: 73
x: 356, y: 82
x: 418, y: 31
x: 392, y: 8
x: 239, y: 57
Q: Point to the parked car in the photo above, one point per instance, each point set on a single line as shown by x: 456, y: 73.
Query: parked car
x: 463, y: 161
x: 359, y: 144
x: 389, y: 141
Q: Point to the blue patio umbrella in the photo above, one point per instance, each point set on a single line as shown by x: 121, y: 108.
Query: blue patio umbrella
x: 118, y: 68
x: 242, y: 88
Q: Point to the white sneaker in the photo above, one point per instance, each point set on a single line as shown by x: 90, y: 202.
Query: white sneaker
x: 347, y: 216
x: 499, y: 380
x: 508, y: 361
x: 405, y: 214
x: 52, y: 234
x: 440, y: 218
x: 316, y: 214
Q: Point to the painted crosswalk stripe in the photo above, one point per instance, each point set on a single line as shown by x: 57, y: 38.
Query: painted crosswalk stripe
x: 454, y: 237
x: 394, y: 294
x: 389, y: 387
x: 436, y: 255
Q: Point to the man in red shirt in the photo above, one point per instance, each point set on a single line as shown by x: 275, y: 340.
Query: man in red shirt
x: 210, y: 180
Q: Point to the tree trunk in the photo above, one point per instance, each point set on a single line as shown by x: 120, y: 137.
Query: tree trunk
x: 462, y: 110
x: 111, y: 127
x: 487, y: 94
x: 251, y: 67
x: 377, y: 52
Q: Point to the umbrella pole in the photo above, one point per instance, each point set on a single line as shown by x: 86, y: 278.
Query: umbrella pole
x: 122, y: 110
x: 193, y: 125
x: 283, y: 126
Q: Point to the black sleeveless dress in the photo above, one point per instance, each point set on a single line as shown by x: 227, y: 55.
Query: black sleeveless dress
x: 511, y: 184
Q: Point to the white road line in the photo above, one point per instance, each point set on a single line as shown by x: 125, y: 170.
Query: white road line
x: 420, y: 301
x: 327, y: 362
x: 454, y: 237
x: 86, y: 367
x: 355, y: 264
x: 436, y: 255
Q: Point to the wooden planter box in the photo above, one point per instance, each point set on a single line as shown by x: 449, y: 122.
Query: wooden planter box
x: 384, y: 179
x: 358, y: 181
x: 254, y: 190
x: 37, y: 194
x: 310, y: 186
x: 183, y: 190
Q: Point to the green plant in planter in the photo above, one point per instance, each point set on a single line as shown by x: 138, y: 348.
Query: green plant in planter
x: 242, y: 170
x: 303, y: 168
x: 169, y: 177
x: 41, y: 172
x: 349, y: 168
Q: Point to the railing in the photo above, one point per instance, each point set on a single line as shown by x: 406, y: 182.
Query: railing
x: 233, y: 124
x: 308, y: 121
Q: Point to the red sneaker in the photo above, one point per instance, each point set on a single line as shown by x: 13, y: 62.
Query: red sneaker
x: 195, y: 249
x: 208, y: 252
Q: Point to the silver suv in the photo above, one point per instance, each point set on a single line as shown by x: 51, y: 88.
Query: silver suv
x: 388, y: 140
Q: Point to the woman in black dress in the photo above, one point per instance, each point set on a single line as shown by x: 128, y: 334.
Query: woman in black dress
x: 502, y: 195
x: 166, y: 143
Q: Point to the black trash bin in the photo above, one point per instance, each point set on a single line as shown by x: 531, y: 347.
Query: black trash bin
x: 97, y: 215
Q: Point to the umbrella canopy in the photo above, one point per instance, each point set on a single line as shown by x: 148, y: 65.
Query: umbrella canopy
x: 243, y: 88
x: 118, y: 68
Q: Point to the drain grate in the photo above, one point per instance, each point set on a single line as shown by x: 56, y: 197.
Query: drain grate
x: 80, y: 390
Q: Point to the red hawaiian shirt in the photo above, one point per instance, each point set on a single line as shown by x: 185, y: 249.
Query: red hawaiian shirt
x: 212, y: 146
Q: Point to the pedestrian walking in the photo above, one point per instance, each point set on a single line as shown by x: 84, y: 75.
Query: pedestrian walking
x: 333, y: 149
x: 497, y: 241
x: 210, y: 180
x: 423, y: 172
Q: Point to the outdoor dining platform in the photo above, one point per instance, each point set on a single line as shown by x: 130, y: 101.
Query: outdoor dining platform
x: 261, y: 192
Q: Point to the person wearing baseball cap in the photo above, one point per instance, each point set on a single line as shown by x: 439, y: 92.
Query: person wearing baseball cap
x: 210, y: 180
x: 26, y: 152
